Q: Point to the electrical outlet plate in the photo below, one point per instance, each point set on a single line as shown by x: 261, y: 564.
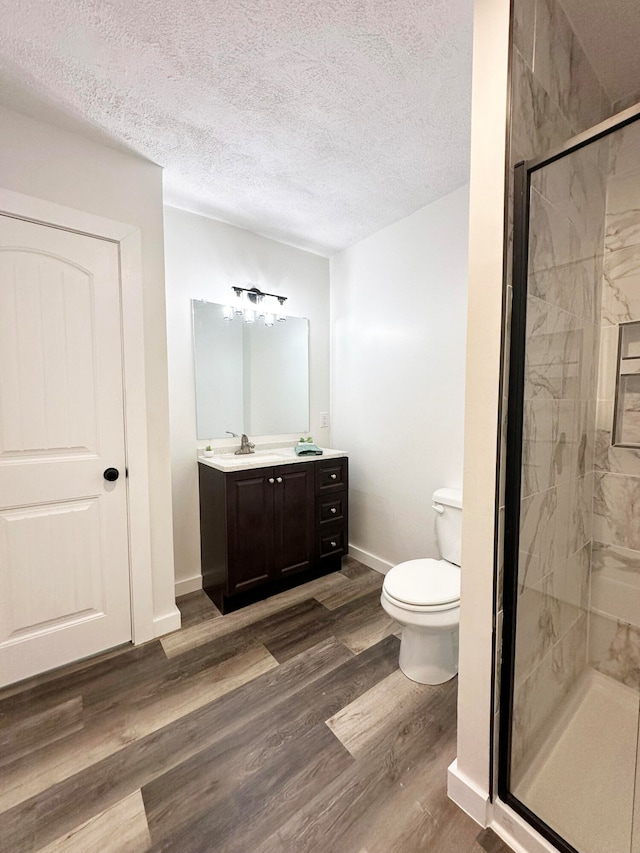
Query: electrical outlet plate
x: 324, y: 420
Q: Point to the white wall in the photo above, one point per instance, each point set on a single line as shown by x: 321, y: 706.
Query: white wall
x: 204, y: 258
x: 40, y: 160
x: 470, y: 782
x: 398, y: 309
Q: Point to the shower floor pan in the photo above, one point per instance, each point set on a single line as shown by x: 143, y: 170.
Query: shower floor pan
x: 583, y: 778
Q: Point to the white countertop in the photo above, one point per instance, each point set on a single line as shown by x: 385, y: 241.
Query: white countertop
x: 263, y: 458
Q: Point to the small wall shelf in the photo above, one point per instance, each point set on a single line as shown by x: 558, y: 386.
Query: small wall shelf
x: 626, y: 422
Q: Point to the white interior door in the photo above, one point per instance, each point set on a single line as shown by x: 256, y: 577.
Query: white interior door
x: 64, y: 561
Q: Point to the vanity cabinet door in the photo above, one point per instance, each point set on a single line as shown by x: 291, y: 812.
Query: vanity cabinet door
x: 250, y: 541
x: 294, y: 509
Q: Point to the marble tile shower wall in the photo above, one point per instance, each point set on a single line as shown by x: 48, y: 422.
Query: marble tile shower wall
x: 565, y: 269
x: 614, y: 621
x: 555, y: 95
x: 628, y: 101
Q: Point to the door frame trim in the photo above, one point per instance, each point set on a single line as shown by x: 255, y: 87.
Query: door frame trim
x: 129, y: 240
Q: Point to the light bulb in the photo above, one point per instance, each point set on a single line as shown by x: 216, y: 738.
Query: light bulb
x: 249, y: 315
x: 227, y: 312
x: 238, y: 308
x: 268, y: 319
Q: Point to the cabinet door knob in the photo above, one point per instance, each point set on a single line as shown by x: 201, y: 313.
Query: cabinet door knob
x: 271, y: 480
x: 278, y: 479
x: 334, y: 476
x: 333, y: 510
x: 334, y: 544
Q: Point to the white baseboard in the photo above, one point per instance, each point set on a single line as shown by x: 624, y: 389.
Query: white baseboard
x: 370, y: 560
x: 516, y: 832
x: 188, y: 585
x: 466, y: 794
x: 166, y: 623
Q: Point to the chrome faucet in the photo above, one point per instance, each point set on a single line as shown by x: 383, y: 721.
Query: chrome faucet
x: 245, y: 446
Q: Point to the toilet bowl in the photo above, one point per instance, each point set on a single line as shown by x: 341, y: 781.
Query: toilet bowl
x: 423, y: 596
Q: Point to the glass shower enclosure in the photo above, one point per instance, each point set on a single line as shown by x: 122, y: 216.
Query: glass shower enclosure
x: 570, y: 697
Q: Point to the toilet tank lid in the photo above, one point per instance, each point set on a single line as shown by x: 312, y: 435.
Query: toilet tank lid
x: 448, y: 497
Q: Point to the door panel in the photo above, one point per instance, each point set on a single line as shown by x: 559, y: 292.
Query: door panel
x: 47, y: 355
x: 64, y: 563
x: 65, y: 537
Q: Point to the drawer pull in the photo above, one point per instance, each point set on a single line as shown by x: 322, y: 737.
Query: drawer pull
x: 334, y: 476
x: 334, y: 544
x: 278, y: 479
x: 334, y: 510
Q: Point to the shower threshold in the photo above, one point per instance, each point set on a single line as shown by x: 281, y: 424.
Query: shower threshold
x: 583, y: 777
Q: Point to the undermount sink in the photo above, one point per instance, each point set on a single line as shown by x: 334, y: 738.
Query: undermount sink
x: 260, y: 458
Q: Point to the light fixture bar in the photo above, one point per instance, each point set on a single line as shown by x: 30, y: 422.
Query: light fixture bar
x: 255, y: 295
x: 253, y: 304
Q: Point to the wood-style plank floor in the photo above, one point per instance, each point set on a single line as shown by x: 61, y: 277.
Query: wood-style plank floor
x: 285, y: 727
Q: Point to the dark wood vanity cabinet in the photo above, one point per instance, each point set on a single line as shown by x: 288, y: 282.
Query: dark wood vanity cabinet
x: 261, y: 527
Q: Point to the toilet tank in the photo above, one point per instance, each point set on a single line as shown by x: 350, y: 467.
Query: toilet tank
x: 447, y: 504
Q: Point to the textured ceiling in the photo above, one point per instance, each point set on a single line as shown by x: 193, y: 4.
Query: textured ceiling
x: 316, y: 122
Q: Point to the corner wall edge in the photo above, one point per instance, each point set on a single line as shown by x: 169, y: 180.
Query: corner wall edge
x: 467, y: 795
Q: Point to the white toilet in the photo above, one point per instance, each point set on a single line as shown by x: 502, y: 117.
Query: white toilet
x: 424, y: 597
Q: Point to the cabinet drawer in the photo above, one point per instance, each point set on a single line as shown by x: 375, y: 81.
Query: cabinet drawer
x: 332, y: 543
x: 332, y: 475
x: 332, y: 508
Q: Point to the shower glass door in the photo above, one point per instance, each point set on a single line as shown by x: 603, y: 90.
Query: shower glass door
x: 570, y: 704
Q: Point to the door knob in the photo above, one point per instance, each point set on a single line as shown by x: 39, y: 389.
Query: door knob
x: 271, y: 480
x: 111, y: 474
x: 278, y: 479
x: 333, y: 509
x: 334, y: 544
x: 334, y: 476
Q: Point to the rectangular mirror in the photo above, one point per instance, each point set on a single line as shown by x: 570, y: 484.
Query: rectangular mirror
x: 250, y: 378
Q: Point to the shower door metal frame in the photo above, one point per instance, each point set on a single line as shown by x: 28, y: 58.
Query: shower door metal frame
x: 513, y: 468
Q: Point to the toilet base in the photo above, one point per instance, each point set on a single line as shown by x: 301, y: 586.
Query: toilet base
x: 429, y: 658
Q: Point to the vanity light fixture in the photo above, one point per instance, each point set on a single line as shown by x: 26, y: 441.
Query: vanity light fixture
x: 252, y: 302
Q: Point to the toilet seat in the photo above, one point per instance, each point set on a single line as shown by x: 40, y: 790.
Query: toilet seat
x: 423, y: 585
